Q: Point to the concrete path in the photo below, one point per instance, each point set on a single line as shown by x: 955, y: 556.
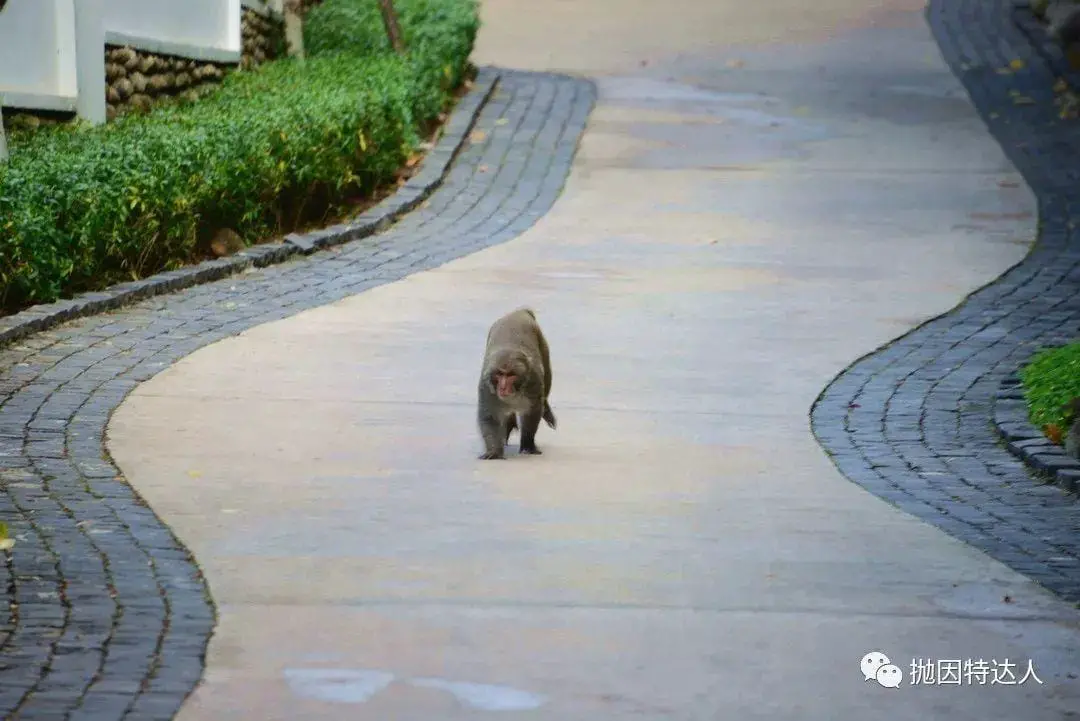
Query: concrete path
x: 743, y: 220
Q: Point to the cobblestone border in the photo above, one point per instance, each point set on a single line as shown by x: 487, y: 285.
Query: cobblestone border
x: 1027, y: 442
x: 1022, y: 438
x: 912, y: 421
x: 432, y: 170
x: 112, y: 616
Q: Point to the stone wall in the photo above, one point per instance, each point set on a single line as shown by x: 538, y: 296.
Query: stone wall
x: 263, y: 38
x: 135, y: 80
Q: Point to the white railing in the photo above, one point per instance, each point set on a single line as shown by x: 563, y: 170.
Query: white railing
x: 202, y: 29
x: 37, y: 54
x: 52, y: 51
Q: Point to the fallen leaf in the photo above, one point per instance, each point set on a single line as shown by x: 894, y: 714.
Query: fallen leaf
x: 801, y: 110
x: 734, y: 63
x: 1016, y: 64
x: 477, y: 136
x: 501, y: 121
x: 482, y: 169
x: 194, y: 474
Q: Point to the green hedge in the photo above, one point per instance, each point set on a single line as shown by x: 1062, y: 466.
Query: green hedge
x: 82, y: 207
x: 1051, y: 379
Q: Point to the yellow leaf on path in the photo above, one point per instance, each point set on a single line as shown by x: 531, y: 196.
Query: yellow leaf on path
x: 195, y: 474
x: 6, y: 544
x: 1016, y: 64
x: 801, y: 110
x: 477, y: 136
x: 501, y: 121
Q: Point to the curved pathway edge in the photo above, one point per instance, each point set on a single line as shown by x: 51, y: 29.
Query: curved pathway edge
x: 912, y: 422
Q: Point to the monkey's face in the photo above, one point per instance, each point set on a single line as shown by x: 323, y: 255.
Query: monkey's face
x: 507, y: 377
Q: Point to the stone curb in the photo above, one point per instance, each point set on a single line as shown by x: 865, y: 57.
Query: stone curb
x: 432, y: 171
x: 1045, y: 458
x: 1036, y: 32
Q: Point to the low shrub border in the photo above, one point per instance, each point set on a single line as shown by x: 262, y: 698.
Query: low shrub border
x: 1027, y: 411
x: 430, y: 174
x: 269, y: 152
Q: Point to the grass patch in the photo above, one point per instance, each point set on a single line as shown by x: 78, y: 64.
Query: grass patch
x: 1052, y: 379
x: 269, y: 151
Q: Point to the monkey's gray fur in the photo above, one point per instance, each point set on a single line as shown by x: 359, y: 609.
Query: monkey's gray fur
x: 515, y: 382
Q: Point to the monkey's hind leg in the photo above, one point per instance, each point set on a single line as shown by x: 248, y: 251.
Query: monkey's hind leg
x: 511, y: 425
x: 529, y: 423
x: 494, y: 444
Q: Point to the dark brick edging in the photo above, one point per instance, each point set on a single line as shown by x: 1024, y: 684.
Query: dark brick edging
x: 1027, y: 442
x: 1010, y: 415
x: 432, y: 170
x: 913, y: 421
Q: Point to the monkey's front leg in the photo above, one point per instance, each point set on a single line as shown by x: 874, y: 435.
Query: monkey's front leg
x: 491, y: 430
x: 530, y: 421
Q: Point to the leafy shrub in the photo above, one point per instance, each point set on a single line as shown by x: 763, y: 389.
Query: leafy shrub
x: 82, y: 207
x: 1051, y: 379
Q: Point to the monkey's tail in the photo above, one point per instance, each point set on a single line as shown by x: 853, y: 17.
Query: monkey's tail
x: 549, y: 415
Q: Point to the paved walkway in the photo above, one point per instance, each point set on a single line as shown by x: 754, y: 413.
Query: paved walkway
x: 741, y: 222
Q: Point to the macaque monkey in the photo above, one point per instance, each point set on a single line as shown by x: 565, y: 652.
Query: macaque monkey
x: 514, y: 383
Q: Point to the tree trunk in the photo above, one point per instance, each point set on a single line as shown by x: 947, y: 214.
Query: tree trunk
x: 3, y: 137
x: 294, y: 29
x: 393, y: 31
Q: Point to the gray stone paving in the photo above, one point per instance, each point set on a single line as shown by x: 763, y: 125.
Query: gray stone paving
x: 913, y: 422
x: 110, y: 618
